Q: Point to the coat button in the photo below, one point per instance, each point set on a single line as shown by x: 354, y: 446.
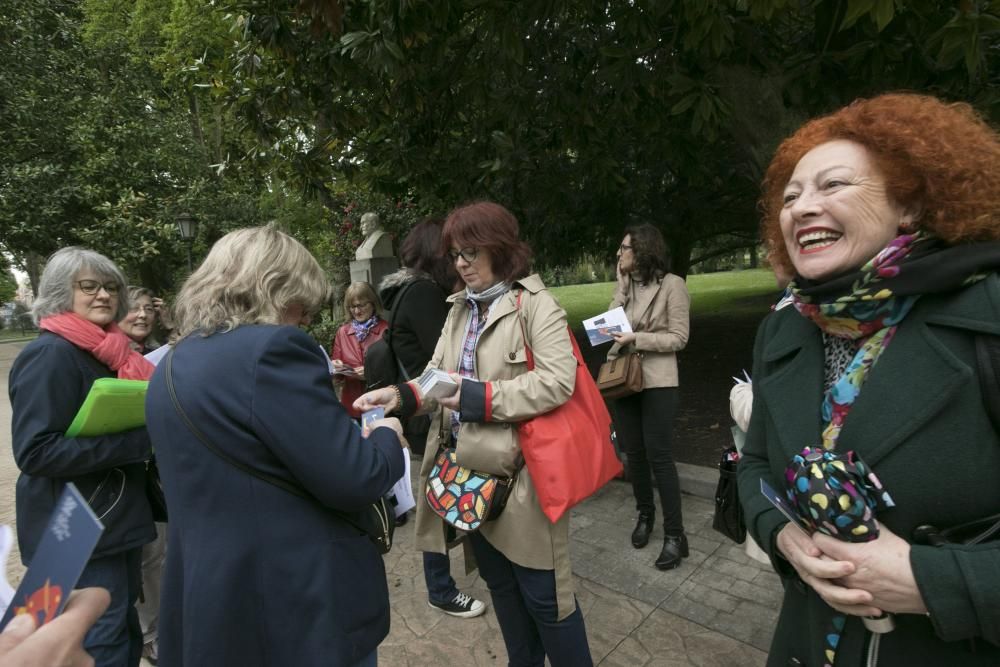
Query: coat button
x: 512, y: 356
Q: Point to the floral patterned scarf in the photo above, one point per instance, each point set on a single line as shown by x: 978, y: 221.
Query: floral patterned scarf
x: 361, y: 330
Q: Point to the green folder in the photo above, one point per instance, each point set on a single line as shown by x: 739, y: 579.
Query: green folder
x: 112, y: 406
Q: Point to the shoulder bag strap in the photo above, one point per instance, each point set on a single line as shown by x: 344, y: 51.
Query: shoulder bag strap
x: 270, y: 479
x: 652, y: 301
x: 529, y: 357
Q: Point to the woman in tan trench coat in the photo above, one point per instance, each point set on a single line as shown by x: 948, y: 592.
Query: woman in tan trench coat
x: 523, y: 557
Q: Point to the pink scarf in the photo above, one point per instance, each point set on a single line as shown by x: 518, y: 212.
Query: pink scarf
x: 108, y: 345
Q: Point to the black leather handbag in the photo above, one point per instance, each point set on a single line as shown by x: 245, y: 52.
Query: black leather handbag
x: 728, y: 518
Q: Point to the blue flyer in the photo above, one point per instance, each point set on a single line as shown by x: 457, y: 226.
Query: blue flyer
x: 66, y: 546
x: 781, y: 505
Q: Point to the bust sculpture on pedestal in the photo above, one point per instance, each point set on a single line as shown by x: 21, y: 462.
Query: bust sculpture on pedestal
x: 373, y: 259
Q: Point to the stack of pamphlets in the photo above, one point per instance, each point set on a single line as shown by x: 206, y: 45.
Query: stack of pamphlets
x: 435, y: 383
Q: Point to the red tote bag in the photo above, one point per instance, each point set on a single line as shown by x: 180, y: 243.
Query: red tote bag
x: 568, y: 450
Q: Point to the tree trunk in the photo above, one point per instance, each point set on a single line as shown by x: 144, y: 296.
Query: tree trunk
x: 33, y: 267
x: 680, y: 255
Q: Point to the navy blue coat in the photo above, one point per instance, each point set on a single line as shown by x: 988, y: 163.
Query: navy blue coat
x: 254, y: 574
x: 48, y: 383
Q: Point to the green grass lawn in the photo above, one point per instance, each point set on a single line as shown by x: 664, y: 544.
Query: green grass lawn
x: 15, y: 334
x: 711, y: 294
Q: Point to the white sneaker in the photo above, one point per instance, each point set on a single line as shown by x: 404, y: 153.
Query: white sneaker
x: 462, y: 606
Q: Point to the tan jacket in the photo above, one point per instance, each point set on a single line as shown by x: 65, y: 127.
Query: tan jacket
x: 659, y: 316
x: 522, y: 533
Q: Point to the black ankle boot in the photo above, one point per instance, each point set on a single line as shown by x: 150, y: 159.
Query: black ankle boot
x: 643, y: 529
x: 675, y: 547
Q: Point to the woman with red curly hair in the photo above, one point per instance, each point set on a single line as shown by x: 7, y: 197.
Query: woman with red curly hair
x: 869, y: 410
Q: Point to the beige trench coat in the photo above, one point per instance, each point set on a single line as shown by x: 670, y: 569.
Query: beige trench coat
x: 522, y: 533
x: 659, y: 316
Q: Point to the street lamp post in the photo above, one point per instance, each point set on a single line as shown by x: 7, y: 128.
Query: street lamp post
x: 188, y: 228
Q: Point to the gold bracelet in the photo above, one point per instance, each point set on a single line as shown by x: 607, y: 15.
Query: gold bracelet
x: 399, y: 398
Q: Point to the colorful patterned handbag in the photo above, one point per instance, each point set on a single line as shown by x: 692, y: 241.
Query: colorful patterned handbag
x: 462, y: 497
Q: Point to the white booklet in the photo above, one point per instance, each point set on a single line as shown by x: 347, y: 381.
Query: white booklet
x: 435, y: 383
x: 402, y: 491
x: 600, y: 327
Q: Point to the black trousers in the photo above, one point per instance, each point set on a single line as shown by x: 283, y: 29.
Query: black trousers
x: 644, y: 424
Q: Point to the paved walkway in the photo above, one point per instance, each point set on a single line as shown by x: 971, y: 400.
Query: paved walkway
x: 718, y: 608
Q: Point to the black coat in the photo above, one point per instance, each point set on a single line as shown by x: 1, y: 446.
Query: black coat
x: 254, y: 574
x: 48, y: 383
x: 416, y: 320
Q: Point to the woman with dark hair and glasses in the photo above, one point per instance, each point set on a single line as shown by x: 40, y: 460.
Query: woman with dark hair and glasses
x: 363, y: 327
x: 656, y: 304
x: 81, y: 296
x: 416, y: 295
x: 522, y: 556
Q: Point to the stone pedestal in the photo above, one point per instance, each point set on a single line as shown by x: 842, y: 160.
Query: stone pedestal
x: 373, y: 270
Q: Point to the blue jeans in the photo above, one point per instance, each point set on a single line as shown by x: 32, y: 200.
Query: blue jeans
x: 441, y: 587
x: 524, y: 600
x: 115, y: 640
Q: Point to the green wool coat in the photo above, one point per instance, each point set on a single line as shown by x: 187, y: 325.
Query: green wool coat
x: 920, y: 424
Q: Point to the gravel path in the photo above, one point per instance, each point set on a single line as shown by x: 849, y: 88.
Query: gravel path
x: 8, y: 471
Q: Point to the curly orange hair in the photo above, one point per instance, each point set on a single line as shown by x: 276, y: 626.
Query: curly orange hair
x: 940, y: 158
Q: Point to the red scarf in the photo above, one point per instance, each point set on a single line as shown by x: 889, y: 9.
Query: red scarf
x: 108, y: 345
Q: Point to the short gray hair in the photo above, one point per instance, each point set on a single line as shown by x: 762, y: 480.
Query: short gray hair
x: 55, y: 289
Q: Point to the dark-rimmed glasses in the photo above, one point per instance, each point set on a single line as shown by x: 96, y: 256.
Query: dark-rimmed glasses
x: 91, y: 287
x: 359, y: 306
x: 468, y: 254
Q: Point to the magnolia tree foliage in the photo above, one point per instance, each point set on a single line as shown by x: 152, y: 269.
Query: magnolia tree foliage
x: 584, y: 115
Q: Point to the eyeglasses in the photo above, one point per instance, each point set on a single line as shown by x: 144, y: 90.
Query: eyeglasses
x: 92, y: 287
x: 468, y: 254
x: 360, y: 306
x: 147, y: 310
x: 624, y: 247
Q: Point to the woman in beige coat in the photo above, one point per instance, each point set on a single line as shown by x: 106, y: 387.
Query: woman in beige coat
x: 656, y: 303
x: 523, y: 558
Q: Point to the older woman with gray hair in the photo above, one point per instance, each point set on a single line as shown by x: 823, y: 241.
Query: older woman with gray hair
x: 81, y: 296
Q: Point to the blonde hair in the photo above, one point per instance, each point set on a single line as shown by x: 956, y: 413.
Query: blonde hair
x: 363, y: 292
x: 251, y: 276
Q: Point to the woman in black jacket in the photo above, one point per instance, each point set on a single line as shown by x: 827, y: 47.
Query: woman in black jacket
x: 81, y: 296
x: 414, y: 298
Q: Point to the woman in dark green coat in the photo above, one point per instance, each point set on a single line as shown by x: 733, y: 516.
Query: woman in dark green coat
x: 887, y: 212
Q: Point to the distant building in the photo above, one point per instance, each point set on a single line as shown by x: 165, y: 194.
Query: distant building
x: 25, y: 295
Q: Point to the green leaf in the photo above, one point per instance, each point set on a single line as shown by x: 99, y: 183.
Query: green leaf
x: 884, y: 11
x: 855, y: 10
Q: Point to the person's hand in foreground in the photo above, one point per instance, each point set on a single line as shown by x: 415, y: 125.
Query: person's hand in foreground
x: 389, y: 422
x: 881, y: 568
x: 825, y: 573
x: 384, y: 398
x: 455, y: 400
x: 58, y: 643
